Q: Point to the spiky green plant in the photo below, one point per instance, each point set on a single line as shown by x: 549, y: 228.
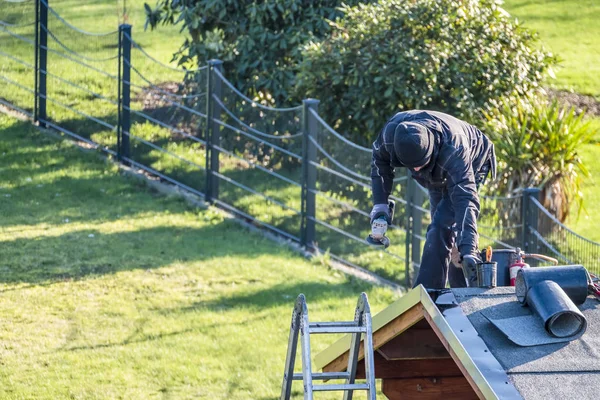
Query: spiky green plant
x: 538, y: 145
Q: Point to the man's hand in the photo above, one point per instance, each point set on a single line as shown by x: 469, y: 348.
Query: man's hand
x: 381, y: 210
x: 455, y: 257
x: 469, y: 266
x: 380, y: 220
x: 381, y: 217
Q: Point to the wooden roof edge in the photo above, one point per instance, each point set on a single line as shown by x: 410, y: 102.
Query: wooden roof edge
x: 385, y: 316
x: 481, y: 368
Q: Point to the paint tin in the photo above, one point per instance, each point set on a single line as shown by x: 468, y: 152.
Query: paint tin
x: 487, y: 274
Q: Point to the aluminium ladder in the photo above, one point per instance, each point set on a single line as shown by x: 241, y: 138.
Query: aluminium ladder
x: 360, y: 325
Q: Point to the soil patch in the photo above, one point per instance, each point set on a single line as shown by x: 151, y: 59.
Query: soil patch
x: 164, y: 101
x: 581, y: 102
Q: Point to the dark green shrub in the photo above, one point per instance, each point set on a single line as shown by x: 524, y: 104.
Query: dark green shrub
x: 448, y: 55
x: 259, y: 41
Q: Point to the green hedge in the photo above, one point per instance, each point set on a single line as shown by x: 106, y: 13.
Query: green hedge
x: 453, y: 56
x: 259, y: 41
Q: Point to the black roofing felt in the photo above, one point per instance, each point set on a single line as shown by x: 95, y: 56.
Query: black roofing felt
x: 561, y: 370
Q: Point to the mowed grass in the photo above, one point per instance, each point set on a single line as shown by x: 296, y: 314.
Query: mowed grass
x: 101, y: 16
x: 570, y: 30
x: 585, y: 222
x: 110, y: 291
x: 71, y: 107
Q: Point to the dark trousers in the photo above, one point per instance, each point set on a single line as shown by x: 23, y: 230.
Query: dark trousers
x: 436, y: 267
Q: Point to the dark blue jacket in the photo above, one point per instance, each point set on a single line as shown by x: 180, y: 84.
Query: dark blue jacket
x: 460, y: 151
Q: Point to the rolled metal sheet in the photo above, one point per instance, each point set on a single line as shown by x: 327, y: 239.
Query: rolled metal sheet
x: 561, y: 316
x: 572, y: 279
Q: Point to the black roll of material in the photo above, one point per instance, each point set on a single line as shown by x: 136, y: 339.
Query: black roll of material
x: 572, y: 279
x: 561, y: 316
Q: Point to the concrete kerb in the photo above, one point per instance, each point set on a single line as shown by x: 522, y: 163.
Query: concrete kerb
x: 197, y: 201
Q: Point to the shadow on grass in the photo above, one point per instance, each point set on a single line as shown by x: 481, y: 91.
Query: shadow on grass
x: 83, y: 253
x: 137, y: 337
x: 42, y: 181
x: 85, y: 191
x: 279, y: 295
x: 98, y: 198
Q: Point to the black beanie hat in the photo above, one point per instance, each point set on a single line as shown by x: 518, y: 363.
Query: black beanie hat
x: 413, y: 144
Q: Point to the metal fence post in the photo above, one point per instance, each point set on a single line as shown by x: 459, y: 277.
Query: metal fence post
x: 417, y: 225
x: 409, y: 219
x: 309, y: 173
x: 529, y: 217
x: 407, y: 243
x: 213, y: 130
x: 41, y: 61
x: 36, y: 54
x: 123, y: 148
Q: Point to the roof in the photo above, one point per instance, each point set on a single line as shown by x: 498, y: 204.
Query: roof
x: 568, y: 369
x: 494, y: 367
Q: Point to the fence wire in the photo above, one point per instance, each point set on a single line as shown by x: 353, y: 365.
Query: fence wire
x: 81, y: 80
x: 553, y: 238
x: 343, y: 195
x: 260, y: 153
x: 17, y: 14
x: 180, y: 118
x: 17, y: 56
x: 168, y: 118
x: 500, y: 222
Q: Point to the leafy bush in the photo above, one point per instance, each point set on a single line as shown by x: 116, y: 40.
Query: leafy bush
x: 448, y: 55
x: 537, y: 146
x: 260, y: 42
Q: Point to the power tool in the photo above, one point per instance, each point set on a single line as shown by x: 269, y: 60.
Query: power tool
x: 379, y: 228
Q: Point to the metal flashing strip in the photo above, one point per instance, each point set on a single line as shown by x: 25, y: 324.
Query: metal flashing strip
x: 466, y: 347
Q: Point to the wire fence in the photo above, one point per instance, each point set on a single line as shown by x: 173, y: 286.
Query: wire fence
x: 550, y: 236
x: 284, y: 169
x: 17, y: 51
x: 500, y: 222
x: 343, y: 197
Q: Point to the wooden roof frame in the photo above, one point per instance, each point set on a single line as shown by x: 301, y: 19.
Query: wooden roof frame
x: 466, y: 348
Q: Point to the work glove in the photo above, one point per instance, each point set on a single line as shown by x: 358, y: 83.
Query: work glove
x: 469, y: 266
x: 380, y: 220
x: 381, y: 210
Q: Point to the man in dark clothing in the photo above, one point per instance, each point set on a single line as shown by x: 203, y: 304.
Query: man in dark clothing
x: 450, y: 158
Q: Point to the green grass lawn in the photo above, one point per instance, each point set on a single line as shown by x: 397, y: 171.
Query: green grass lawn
x: 111, y: 291
x: 569, y: 28
x: 101, y: 16
x: 585, y: 223
x: 161, y: 45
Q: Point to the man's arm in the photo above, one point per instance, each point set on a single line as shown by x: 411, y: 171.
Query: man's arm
x: 435, y: 196
x: 464, y: 197
x: 382, y: 172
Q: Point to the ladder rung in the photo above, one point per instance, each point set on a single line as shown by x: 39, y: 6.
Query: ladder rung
x: 327, y: 388
x: 339, y: 324
x: 323, y: 376
x: 348, y: 329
